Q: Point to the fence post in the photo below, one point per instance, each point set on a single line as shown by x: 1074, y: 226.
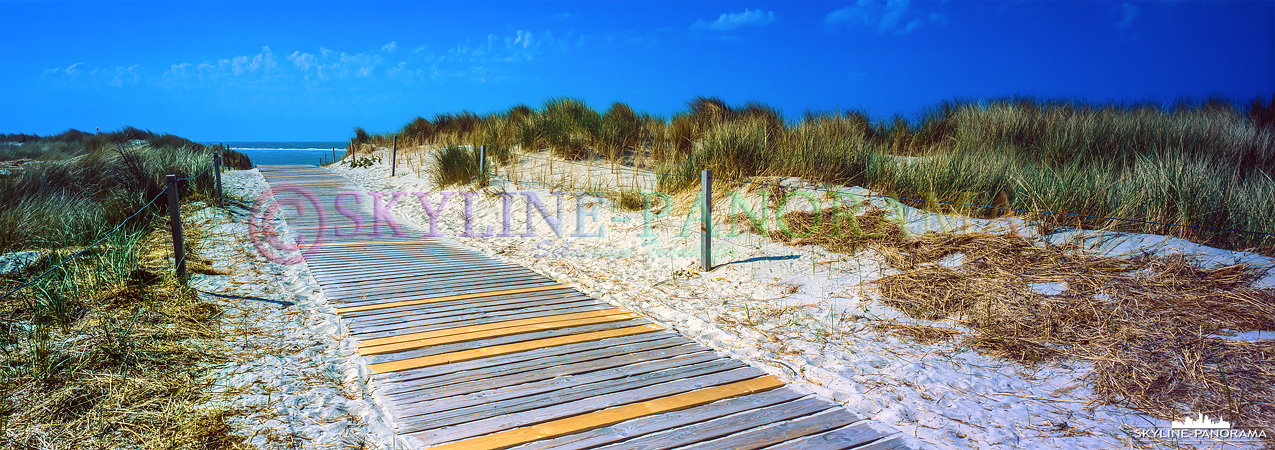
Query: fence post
x: 175, y: 218
x: 394, y: 157
x: 334, y: 154
x: 482, y: 160
x: 706, y: 213
x: 221, y: 199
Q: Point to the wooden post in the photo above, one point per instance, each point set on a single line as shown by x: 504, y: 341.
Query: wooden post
x: 221, y: 199
x: 706, y: 213
x: 394, y: 156
x: 334, y: 154
x: 482, y: 160
x: 175, y: 219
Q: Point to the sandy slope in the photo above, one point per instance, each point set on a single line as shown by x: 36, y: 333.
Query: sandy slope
x: 803, y: 314
x: 296, y: 379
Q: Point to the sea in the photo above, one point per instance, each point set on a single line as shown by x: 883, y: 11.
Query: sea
x: 268, y: 153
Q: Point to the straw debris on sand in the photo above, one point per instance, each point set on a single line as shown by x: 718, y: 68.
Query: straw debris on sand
x: 125, y: 369
x: 1150, y: 328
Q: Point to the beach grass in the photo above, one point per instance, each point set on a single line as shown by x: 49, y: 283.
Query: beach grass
x: 1198, y: 170
x: 82, y: 189
x: 106, y: 350
x: 456, y: 166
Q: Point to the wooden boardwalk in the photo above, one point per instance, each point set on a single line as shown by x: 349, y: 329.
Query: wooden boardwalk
x: 473, y: 353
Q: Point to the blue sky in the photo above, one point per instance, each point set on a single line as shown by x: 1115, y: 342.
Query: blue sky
x: 312, y: 71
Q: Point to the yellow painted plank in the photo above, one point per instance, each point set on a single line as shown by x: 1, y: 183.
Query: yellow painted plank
x: 505, y: 349
x: 490, y: 326
x: 612, y: 416
x: 486, y: 334
x: 422, y: 301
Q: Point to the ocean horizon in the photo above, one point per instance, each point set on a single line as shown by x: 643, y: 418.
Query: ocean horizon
x: 287, y: 152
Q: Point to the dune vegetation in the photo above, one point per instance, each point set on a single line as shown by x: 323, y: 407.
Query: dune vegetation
x: 1149, y: 329
x: 106, y: 350
x: 1207, y: 164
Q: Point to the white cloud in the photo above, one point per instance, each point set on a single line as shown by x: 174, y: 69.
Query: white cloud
x: 236, y: 69
x: 489, y: 59
x: 329, y: 64
x: 730, y: 21
x: 1130, y: 12
x: 521, y: 46
x: 888, y: 16
x: 81, y: 73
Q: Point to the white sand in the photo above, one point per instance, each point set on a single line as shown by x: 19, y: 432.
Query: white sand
x: 801, y: 313
x: 296, y: 377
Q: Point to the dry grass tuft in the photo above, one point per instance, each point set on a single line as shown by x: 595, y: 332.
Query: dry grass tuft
x: 835, y: 229
x: 108, y: 354
x: 923, y: 334
x: 1146, y: 326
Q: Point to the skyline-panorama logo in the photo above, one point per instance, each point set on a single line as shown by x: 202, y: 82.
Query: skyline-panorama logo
x: 1200, y: 422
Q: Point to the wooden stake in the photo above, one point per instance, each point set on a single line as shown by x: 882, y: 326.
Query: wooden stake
x: 175, y: 218
x: 221, y: 199
x: 706, y: 213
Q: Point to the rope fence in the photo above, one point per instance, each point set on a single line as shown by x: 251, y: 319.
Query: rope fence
x: 170, y: 188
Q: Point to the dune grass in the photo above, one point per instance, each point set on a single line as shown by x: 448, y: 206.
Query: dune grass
x: 106, y: 350
x: 1205, y: 164
x: 456, y: 166
x: 75, y: 195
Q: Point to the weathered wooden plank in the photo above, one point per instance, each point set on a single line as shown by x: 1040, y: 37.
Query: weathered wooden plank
x: 372, y: 243
x: 381, y: 271
x: 447, y: 307
x: 498, y: 416
x: 535, y: 359
x: 373, y: 342
x: 502, y: 340
x: 466, y: 306
x: 890, y: 443
x: 600, y: 359
x: 465, y: 355
x: 350, y: 255
x: 857, y: 435
x: 356, y: 299
x: 410, y: 257
x: 610, y: 416
x: 393, y: 298
x: 693, y: 433
x: 427, y: 282
x: 441, y: 411
x: 422, y: 301
x: 487, y: 333
x: 651, y: 424
x: 829, y: 419
x: 414, y: 323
